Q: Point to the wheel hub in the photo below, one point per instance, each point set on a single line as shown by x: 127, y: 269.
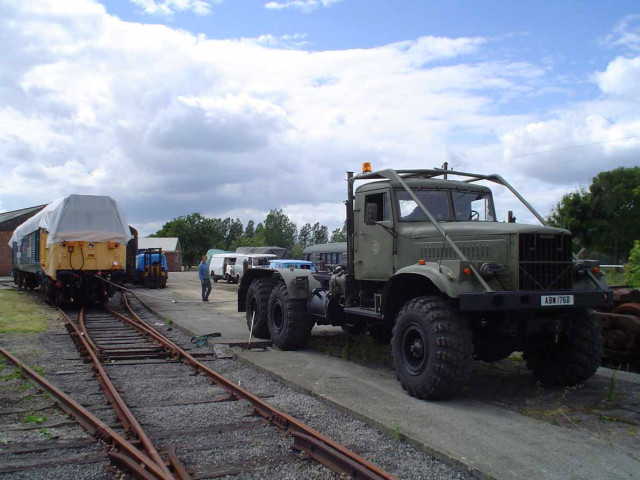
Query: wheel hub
x: 414, y: 350
x: 417, y: 348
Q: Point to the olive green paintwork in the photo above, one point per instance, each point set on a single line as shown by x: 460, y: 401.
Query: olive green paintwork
x: 391, y: 248
x: 388, y: 250
x: 300, y: 282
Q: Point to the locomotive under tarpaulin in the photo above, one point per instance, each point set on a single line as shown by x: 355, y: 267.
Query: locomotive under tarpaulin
x: 67, y: 247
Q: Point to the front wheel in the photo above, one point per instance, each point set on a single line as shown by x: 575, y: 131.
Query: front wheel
x: 431, y: 348
x: 289, y: 324
x: 572, y: 356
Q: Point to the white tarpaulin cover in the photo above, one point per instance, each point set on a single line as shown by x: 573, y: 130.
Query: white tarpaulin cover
x: 89, y: 218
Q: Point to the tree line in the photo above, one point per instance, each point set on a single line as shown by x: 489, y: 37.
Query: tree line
x: 198, y: 234
x: 605, y: 218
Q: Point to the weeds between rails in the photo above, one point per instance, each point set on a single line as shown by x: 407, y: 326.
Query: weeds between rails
x: 131, y: 352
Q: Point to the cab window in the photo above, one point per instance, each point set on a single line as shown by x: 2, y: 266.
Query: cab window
x: 436, y: 201
x: 381, y: 200
x: 476, y: 206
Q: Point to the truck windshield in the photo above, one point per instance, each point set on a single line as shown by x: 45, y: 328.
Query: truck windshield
x: 437, y: 201
x: 446, y: 206
x: 473, y: 206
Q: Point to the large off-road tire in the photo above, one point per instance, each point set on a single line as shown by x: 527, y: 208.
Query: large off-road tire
x: 258, y: 303
x: 431, y: 348
x: 574, y: 358
x: 289, y: 324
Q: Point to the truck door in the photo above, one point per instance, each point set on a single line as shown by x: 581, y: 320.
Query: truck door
x: 373, y: 231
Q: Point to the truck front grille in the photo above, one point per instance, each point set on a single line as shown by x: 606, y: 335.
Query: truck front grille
x: 545, y: 261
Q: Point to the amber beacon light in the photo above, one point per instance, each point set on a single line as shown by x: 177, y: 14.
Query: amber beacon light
x: 366, y: 167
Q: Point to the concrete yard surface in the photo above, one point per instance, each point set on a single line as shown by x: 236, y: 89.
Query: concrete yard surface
x: 490, y: 441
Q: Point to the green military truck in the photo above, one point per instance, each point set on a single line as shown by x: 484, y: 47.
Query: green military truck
x: 432, y: 270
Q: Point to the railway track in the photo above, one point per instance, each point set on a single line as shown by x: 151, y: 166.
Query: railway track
x: 178, y: 418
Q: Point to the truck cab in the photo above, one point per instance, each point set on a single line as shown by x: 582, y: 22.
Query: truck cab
x: 390, y: 221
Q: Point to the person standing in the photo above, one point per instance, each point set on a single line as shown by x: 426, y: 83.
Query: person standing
x: 205, y: 279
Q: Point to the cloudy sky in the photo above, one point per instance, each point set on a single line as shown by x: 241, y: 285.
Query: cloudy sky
x: 235, y: 107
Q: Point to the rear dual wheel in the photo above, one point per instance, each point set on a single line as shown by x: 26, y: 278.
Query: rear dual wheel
x: 258, y: 307
x: 289, y: 324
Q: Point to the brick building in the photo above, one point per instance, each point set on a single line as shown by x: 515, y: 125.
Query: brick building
x: 9, y: 221
x: 170, y: 247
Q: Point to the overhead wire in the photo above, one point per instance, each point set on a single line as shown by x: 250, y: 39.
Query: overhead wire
x: 551, y: 150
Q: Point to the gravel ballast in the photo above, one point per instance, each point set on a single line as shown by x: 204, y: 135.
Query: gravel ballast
x: 211, y: 436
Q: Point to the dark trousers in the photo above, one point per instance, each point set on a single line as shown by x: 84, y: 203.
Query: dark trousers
x: 206, y: 289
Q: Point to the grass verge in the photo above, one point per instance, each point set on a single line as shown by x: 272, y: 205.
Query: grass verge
x: 19, y: 314
x: 361, y: 349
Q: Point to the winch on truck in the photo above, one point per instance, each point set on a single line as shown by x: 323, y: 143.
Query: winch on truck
x: 431, y: 269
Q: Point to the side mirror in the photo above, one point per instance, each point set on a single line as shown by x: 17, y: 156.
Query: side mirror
x: 371, y: 214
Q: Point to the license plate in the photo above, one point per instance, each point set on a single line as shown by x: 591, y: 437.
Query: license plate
x: 556, y: 300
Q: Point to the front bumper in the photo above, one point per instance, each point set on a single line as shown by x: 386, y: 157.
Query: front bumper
x: 532, y: 300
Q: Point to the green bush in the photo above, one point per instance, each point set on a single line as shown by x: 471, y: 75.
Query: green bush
x: 632, y: 268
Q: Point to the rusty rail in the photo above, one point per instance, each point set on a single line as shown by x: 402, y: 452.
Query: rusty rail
x: 331, y: 454
x: 123, y: 413
x: 134, y: 460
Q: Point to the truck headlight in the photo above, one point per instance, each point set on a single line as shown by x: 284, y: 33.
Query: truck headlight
x: 489, y: 269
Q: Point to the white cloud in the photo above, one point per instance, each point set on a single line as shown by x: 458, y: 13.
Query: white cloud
x: 230, y: 123
x: 170, y: 7
x: 573, y: 147
x: 428, y: 49
x: 621, y: 78
x: 625, y: 34
x: 305, y: 6
x: 169, y: 123
x: 297, y: 40
x: 576, y: 142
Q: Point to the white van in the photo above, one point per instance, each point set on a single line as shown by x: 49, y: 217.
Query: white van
x: 254, y: 260
x: 222, y: 265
